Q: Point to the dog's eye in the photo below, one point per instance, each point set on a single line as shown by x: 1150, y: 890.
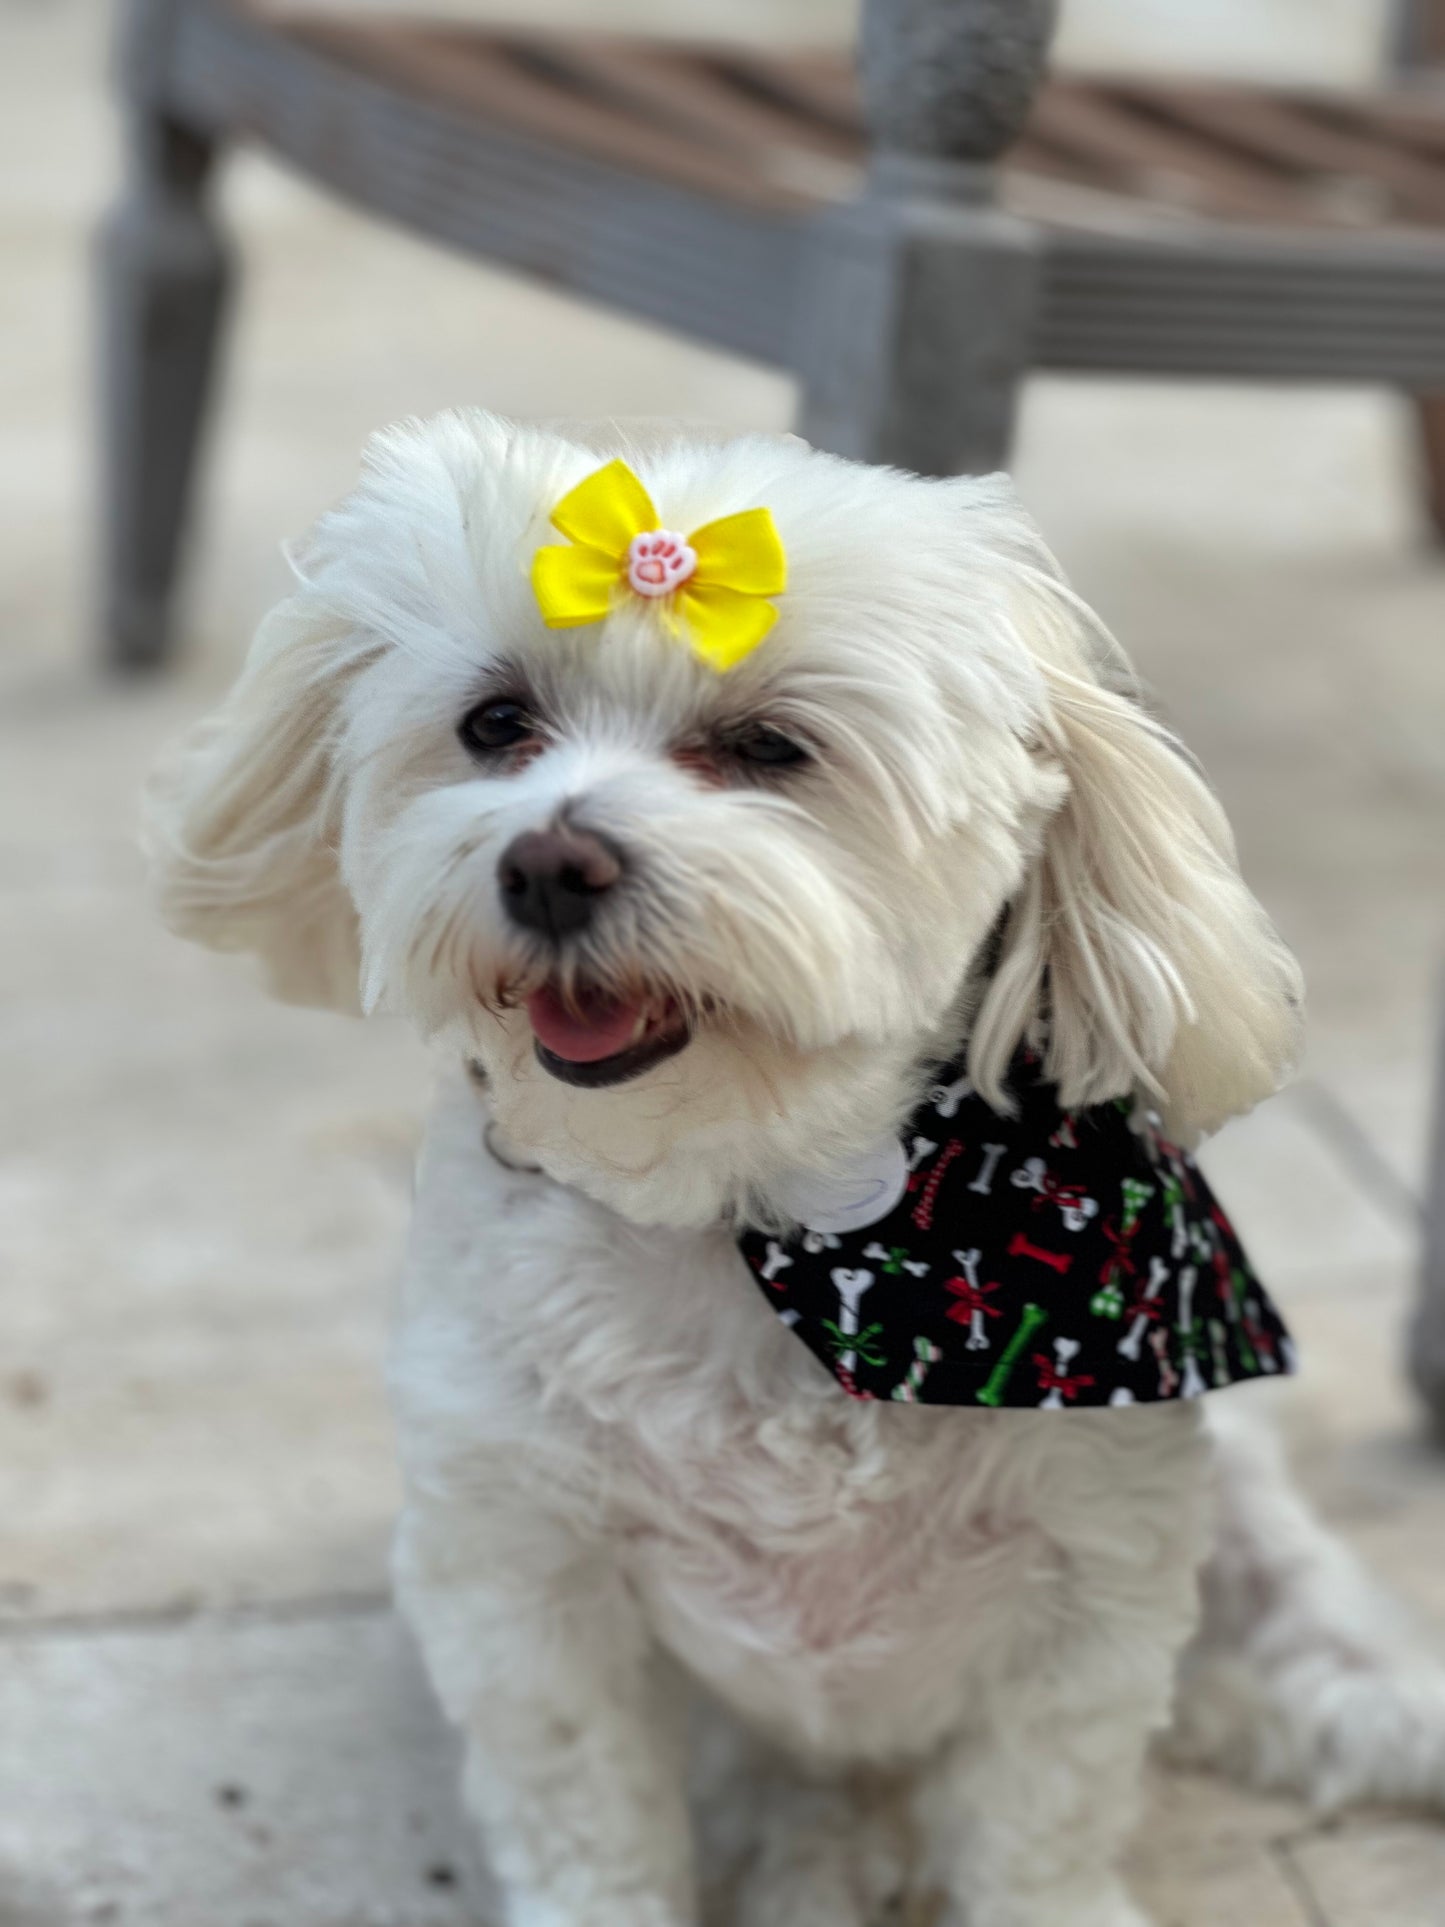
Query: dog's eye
x: 496, y: 725
x: 766, y: 746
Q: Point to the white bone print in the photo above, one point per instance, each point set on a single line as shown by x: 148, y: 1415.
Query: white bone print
x: 1121, y: 1395
x: 983, y: 1183
x: 1193, y: 1386
x: 777, y: 1260
x: 946, y: 1098
x: 919, y: 1151
x: 1065, y: 1351
x: 851, y: 1287
x: 1174, y: 1191
x: 1132, y: 1343
x: 816, y: 1241
x: 1032, y: 1175
x: 968, y: 1262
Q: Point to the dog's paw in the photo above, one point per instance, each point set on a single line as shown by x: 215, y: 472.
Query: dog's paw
x: 1108, y: 1906
x: 827, y: 1858
x: 1334, y: 1728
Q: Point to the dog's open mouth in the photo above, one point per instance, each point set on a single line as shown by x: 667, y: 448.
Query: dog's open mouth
x: 594, y: 1039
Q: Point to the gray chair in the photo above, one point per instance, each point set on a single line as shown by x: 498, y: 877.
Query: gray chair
x: 909, y: 243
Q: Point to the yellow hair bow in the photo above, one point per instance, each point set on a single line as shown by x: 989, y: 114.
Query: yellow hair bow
x: 716, y: 580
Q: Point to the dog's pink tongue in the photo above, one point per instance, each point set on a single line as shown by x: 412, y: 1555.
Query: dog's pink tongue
x: 597, y: 1027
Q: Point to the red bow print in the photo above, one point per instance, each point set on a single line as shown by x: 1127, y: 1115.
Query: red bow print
x: 969, y: 1300
x: 1067, y: 1384
x: 1052, y: 1191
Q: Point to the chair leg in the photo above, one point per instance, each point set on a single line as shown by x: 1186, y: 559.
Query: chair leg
x: 163, y: 274
x: 914, y: 324
x: 1427, y: 1335
x: 1430, y: 413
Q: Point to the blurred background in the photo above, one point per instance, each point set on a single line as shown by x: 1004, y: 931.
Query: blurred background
x: 206, y: 1715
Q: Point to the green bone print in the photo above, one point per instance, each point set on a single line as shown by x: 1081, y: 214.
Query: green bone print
x: 864, y: 1343
x: 1247, y: 1356
x: 998, y: 1378
x: 1136, y: 1196
x: 892, y: 1265
x: 1108, y: 1300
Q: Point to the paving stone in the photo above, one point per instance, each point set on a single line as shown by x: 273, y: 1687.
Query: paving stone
x: 1373, y: 1873
x: 1251, y: 1891
x: 251, y: 1774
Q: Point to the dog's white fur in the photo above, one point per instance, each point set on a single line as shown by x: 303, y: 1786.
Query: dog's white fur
x: 621, y: 1469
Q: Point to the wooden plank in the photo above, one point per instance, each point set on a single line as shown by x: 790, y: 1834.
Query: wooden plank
x: 1158, y: 162
x: 693, y: 94
x: 695, y: 90
x: 1287, y: 135
x: 1411, y: 121
x: 1036, y: 152
x: 814, y: 87
x: 476, y: 76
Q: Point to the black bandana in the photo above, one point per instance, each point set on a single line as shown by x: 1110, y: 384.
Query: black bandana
x: 1052, y: 1259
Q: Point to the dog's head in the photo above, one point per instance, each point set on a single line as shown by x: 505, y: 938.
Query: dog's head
x: 662, y: 902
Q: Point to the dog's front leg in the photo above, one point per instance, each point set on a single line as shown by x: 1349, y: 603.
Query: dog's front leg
x: 1025, y: 1815
x: 574, y: 1755
x: 1026, y: 1827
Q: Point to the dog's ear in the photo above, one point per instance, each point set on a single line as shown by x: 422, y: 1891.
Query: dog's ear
x: 241, y: 816
x: 1134, y: 937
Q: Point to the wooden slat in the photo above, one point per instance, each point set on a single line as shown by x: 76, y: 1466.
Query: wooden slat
x: 814, y: 87
x: 1287, y: 136
x: 1415, y: 121
x: 691, y: 93
x: 694, y: 91
x: 1037, y: 152
x: 1160, y: 162
x: 472, y: 74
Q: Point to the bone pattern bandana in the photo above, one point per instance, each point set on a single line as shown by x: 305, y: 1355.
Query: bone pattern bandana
x: 1053, y: 1259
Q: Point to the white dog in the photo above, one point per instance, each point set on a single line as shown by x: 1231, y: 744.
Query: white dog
x: 699, y: 928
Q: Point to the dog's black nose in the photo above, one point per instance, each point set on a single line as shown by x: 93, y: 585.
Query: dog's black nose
x: 552, y: 879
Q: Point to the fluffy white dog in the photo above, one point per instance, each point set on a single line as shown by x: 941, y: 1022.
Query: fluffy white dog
x: 697, y: 934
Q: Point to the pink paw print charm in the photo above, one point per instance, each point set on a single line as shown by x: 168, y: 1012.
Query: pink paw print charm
x: 659, y: 562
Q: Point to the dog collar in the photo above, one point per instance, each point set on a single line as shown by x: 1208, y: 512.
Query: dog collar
x: 1052, y: 1259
